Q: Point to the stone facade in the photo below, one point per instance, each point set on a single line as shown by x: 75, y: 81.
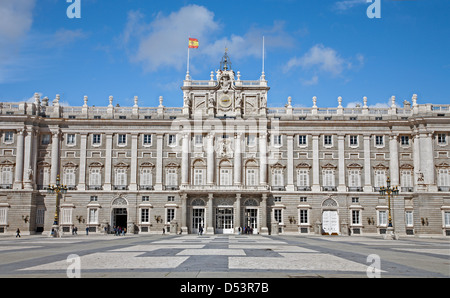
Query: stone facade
x: 225, y: 161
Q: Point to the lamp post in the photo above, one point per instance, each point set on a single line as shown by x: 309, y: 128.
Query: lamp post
x: 56, y: 189
x: 389, y: 191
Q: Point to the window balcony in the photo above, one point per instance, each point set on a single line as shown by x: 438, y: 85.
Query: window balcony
x: 354, y: 189
x: 278, y: 188
x: 6, y: 186
x: 329, y: 188
x: 303, y: 188
x: 146, y: 187
x: 443, y: 188
x: 120, y: 187
x: 171, y: 187
x: 406, y: 189
x: 95, y: 187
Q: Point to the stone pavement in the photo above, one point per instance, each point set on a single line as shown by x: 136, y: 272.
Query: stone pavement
x: 223, y: 256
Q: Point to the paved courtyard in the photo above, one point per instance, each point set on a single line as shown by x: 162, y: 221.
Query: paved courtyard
x: 192, y: 256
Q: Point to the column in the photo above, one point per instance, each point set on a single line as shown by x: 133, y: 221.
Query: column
x: 427, y: 160
x: 184, y: 229
x: 34, y: 157
x: 263, y: 159
x: 54, y: 170
x: 82, y: 167
x: 210, y: 160
x: 367, y: 168
x: 416, y: 158
x: 108, y: 160
x: 393, y: 160
x: 210, y: 214
x: 237, y: 160
x: 185, y: 160
x: 341, y: 164
x: 264, y: 229
x: 159, y: 161
x: 315, y: 167
x: 290, y: 163
x: 237, y: 218
x: 133, y: 167
x: 18, y: 175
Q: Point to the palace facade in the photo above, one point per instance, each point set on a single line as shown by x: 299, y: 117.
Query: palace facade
x: 224, y: 161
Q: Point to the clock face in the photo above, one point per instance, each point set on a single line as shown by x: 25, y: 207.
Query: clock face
x: 225, y: 101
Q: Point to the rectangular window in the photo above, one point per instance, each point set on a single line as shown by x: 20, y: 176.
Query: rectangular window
x: 382, y: 218
x: 443, y: 177
x: 278, y: 215
x: 94, y: 199
x: 301, y: 140
x: 354, y: 178
x: 121, y: 177
x: 70, y: 139
x: 225, y: 177
x: 171, y: 177
x: 278, y: 177
x: 69, y: 177
x: 302, y: 178
x: 145, y: 215
x: 447, y: 219
x: 356, y: 220
x: 147, y: 140
x: 6, y: 176
x: 145, y: 198
x: 9, y: 137
x: 406, y: 178
x: 198, y: 177
x: 304, y: 216
x: 409, y: 218
x: 328, y: 178
x: 442, y: 139
x: 198, y: 140
x: 146, y: 177
x: 170, y: 215
x: 380, y: 178
x: 170, y: 199
x: 172, y: 140
x: 277, y: 140
x: 251, y: 140
x: 251, y: 177
x: 353, y: 140
x: 96, y: 139
x: 66, y: 216
x: 122, y: 139
x: 93, y: 216
x: 327, y: 140
x: 45, y: 139
x: 95, y: 177
x: 379, y: 140
x: 3, y: 216
x: 404, y: 140
x: 355, y: 200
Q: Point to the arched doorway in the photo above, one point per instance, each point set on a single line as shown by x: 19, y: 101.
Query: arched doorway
x: 330, y: 217
x: 119, y: 213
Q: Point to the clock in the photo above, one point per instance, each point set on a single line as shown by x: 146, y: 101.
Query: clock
x: 225, y: 101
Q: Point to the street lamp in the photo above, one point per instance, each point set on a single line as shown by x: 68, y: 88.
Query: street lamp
x: 389, y: 191
x: 56, y: 189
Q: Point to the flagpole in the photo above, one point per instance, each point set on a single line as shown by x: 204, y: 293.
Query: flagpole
x: 187, y: 72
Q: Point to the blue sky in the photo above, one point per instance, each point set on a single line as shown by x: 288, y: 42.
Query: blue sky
x: 128, y: 48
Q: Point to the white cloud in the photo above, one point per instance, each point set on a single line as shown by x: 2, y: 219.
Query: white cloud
x: 16, y: 18
x: 341, y: 6
x: 320, y: 57
x: 163, y: 42
x: 313, y: 81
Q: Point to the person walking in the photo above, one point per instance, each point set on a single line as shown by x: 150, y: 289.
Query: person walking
x: 18, y: 233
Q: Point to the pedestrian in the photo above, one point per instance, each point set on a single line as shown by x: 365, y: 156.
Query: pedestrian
x: 18, y: 233
x: 124, y: 230
x: 76, y: 230
x: 164, y: 231
x: 87, y: 230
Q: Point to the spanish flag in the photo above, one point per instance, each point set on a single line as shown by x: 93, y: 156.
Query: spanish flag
x: 193, y: 43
